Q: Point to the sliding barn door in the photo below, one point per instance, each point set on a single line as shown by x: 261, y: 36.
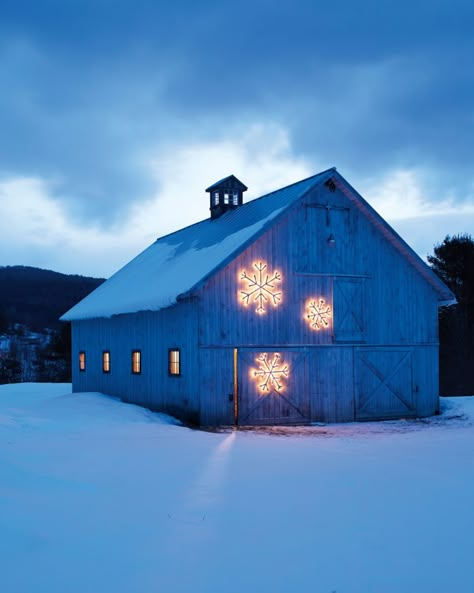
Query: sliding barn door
x: 384, y: 387
x: 272, y: 388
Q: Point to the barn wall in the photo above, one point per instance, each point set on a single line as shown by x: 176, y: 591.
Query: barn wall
x: 152, y: 333
x: 217, y: 386
x: 395, y: 304
x: 332, y: 379
x: 331, y: 384
x: 380, y: 341
x: 379, y: 301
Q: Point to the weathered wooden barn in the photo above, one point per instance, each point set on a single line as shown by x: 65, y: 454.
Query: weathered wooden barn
x: 303, y: 305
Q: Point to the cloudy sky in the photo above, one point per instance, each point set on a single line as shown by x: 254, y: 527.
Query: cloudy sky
x: 115, y: 116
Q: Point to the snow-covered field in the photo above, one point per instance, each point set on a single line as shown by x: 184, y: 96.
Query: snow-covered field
x: 97, y: 496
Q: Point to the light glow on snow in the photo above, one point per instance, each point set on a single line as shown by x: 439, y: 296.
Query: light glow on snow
x: 99, y: 495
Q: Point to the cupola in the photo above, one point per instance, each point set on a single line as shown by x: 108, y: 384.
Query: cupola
x: 225, y: 195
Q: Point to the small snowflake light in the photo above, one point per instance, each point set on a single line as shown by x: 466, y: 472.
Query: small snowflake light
x: 318, y: 314
x: 261, y: 288
x: 270, y: 373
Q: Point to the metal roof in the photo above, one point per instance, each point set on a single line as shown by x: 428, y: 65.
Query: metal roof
x: 178, y: 263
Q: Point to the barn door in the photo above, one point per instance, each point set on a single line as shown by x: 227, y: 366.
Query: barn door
x: 272, y: 388
x: 384, y: 383
x: 348, y: 307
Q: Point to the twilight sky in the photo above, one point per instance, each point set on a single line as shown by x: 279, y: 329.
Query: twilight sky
x: 115, y: 116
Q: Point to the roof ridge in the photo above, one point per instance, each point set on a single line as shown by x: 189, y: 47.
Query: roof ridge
x: 291, y: 185
x: 249, y: 202
x: 188, y: 256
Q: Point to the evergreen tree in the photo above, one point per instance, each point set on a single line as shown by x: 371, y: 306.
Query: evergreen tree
x: 4, y: 323
x: 453, y: 262
x: 55, y: 359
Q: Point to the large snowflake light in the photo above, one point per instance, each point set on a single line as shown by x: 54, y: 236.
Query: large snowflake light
x: 270, y: 373
x: 260, y: 288
x: 318, y: 314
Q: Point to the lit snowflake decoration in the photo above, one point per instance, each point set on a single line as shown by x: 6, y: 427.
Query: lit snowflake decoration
x: 260, y: 288
x: 318, y: 314
x: 270, y: 372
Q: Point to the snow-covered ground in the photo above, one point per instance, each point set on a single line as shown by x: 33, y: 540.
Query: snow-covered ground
x: 97, y: 496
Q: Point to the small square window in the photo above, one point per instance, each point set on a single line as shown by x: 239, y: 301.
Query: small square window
x: 106, y: 361
x: 174, y: 362
x: 136, y: 362
x: 82, y: 361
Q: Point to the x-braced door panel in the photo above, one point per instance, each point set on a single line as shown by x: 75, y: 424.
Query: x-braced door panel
x: 384, y: 386
x: 272, y: 387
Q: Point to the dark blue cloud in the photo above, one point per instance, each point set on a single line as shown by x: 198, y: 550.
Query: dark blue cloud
x: 89, y: 87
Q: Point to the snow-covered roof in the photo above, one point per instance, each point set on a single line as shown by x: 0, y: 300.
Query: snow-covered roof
x: 177, y: 263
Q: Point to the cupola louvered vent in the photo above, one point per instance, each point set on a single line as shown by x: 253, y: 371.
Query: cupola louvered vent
x: 225, y: 195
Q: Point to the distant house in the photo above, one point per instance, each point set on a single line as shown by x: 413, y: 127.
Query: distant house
x: 303, y: 305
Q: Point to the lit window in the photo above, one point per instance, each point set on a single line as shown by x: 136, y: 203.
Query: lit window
x: 215, y: 197
x: 136, y: 362
x: 174, y: 362
x: 226, y: 197
x: 82, y: 361
x: 235, y: 198
x: 106, y: 361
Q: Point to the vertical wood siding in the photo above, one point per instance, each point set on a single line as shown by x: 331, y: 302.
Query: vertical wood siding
x: 280, y: 398
x: 381, y: 308
x: 153, y: 333
x: 331, y: 384
x: 378, y: 301
x: 217, y: 386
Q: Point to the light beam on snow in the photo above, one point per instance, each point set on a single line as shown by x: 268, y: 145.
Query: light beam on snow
x: 205, y: 492
x: 206, y: 489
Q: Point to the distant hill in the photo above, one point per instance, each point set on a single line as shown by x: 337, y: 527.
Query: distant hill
x: 37, y: 298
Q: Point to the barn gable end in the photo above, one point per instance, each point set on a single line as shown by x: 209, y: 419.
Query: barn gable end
x: 375, y: 358
x: 314, y: 310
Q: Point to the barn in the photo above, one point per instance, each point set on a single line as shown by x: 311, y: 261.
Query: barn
x: 301, y: 306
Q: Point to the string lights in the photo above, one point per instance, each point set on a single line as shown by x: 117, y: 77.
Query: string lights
x: 261, y: 288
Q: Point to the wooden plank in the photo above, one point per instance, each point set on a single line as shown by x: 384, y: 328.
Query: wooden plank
x: 152, y: 334
x: 384, y: 386
x: 273, y: 387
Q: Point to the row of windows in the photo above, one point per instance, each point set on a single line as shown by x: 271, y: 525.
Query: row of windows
x: 174, y: 362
